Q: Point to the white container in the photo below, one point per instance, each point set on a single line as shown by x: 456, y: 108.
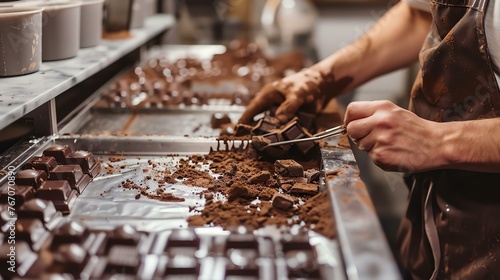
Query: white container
x: 91, y: 23
x: 20, y: 40
x: 61, y: 29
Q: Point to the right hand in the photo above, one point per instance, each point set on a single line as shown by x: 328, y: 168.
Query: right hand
x: 290, y: 93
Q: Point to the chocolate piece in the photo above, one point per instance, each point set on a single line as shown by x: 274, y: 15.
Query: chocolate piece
x: 31, y: 177
x: 242, y: 262
x: 291, y: 180
x: 123, y: 260
x: 219, y: 119
x: 306, y: 119
x: 294, y: 131
x: 59, y: 152
x: 25, y: 258
x: 71, y: 232
x: 70, y: 258
x: 301, y: 188
x: 288, y: 168
x: 183, y: 238
x: 260, y: 142
x: 33, y: 232
x: 45, y: 163
x: 59, y: 192
x: 123, y: 235
x: 73, y: 174
x: 275, y: 151
x: 38, y: 209
x: 260, y: 177
x: 241, y: 241
x: 282, y: 201
x: 87, y: 162
x: 265, y: 125
x: 312, y: 175
x: 302, y: 264
x: 21, y: 195
x: 242, y: 130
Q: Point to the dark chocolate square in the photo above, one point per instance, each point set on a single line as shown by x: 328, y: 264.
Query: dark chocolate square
x: 73, y: 174
x: 59, y: 152
x: 54, y: 190
x: 289, y: 168
x: 21, y: 195
x: 87, y: 162
x: 31, y: 177
x: 45, y: 163
x: 33, y: 232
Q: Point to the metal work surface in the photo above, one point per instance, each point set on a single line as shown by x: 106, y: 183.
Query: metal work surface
x: 364, y: 246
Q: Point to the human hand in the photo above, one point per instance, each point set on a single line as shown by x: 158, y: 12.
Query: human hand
x: 290, y: 93
x: 395, y: 139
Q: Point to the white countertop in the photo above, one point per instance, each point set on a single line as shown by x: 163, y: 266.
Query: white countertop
x: 22, y: 94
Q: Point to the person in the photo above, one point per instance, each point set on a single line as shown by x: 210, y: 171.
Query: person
x: 449, y: 139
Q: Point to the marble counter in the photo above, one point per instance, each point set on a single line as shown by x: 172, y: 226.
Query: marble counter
x: 20, y: 95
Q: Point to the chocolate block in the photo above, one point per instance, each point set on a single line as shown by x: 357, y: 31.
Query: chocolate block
x: 312, y: 175
x: 70, y: 258
x: 291, y: 180
x: 288, y: 168
x: 282, y: 201
x: 294, y: 131
x: 241, y: 241
x: 21, y: 195
x: 87, y: 162
x: 33, y: 232
x: 123, y: 260
x: 183, y: 238
x: 265, y: 125
x: 275, y: 152
x: 59, y: 152
x: 42, y: 210
x: 260, y: 177
x: 25, y: 258
x: 306, y: 119
x: 302, y: 264
x: 242, y: 262
x: 31, y: 177
x: 73, y: 174
x: 301, y: 188
x: 45, y: 163
x: 59, y: 192
x: 220, y: 119
x: 71, y: 232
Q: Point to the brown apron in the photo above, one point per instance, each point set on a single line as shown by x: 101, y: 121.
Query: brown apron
x: 452, y: 225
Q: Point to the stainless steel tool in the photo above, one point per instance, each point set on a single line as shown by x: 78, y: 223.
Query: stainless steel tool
x: 324, y: 134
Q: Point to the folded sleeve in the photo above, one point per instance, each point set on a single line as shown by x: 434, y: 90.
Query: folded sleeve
x: 423, y: 5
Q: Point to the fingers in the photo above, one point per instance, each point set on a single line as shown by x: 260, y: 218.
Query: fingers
x: 288, y: 108
x: 359, y: 129
x: 364, y: 109
x: 265, y: 99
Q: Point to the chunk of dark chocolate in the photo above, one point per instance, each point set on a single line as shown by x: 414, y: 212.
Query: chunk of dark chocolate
x: 294, y: 131
x: 59, y: 152
x: 21, y: 195
x: 31, y: 177
x: 312, y: 175
x: 33, y: 232
x: 87, y: 162
x: 289, y: 168
x: 123, y: 235
x: 306, y: 119
x: 73, y: 174
x: 60, y: 193
x: 183, y: 238
x: 220, y: 119
x: 291, y: 180
x: 260, y: 177
x: 69, y: 258
x: 45, y: 163
x: 307, y: 189
x: 38, y: 209
x: 282, y: 202
x: 265, y: 125
x: 70, y: 232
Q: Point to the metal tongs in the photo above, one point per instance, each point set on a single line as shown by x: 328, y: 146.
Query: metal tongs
x: 324, y: 134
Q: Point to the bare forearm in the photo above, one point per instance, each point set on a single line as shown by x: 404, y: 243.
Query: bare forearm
x: 393, y: 42
x: 472, y: 145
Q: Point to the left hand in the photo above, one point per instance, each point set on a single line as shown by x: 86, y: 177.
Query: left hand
x: 395, y: 139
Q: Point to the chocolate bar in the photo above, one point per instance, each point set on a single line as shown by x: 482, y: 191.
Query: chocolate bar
x: 31, y: 177
x: 45, y: 163
x: 59, y: 152
x: 288, y: 168
x: 282, y: 202
x: 71, y: 259
x: 301, y: 188
x: 87, y: 162
x: 21, y: 195
x: 60, y: 193
x: 73, y: 174
x: 71, y: 232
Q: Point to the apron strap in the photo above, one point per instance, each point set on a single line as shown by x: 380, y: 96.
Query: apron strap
x: 431, y: 229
